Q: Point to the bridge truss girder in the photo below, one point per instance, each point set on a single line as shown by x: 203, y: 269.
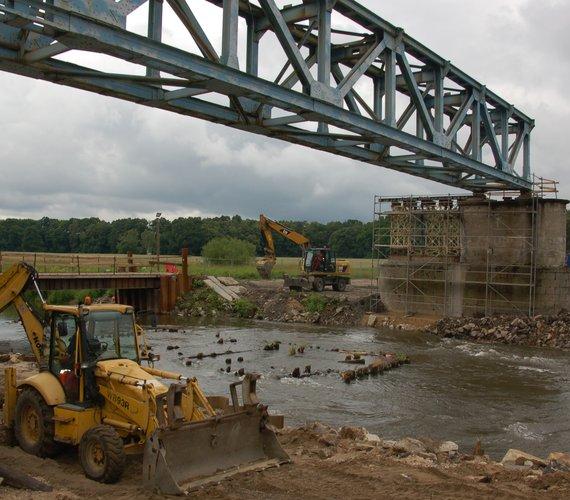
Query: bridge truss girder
x: 351, y: 93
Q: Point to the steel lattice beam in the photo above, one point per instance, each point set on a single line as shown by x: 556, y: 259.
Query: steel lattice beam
x: 331, y: 110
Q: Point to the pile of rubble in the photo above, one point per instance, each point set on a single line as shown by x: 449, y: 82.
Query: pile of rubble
x: 291, y: 307
x: 328, y: 442
x: 534, y: 331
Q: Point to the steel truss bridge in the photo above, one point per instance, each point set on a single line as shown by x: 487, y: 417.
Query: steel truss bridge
x: 330, y: 75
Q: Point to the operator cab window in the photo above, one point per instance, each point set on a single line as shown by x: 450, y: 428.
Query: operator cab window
x: 62, y: 358
x: 110, y: 335
x: 62, y: 342
x: 331, y: 262
x: 309, y: 260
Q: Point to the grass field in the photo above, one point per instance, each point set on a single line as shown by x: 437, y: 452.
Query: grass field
x: 361, y: 268
x: 109, y: 263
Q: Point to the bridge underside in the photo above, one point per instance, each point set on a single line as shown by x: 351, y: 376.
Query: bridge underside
x: 327, y: 74
x: 145, y: 292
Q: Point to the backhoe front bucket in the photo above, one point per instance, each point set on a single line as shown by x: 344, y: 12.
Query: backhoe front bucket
x: 202, y: 453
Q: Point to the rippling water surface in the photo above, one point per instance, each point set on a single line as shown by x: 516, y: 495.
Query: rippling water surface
x: 506, y: 396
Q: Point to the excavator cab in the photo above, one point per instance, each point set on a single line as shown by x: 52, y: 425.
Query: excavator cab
x: 319, y: 260
x: 320, y: 268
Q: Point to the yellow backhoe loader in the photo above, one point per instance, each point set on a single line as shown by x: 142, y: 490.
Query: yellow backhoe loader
x: 319, y: 267
x: 93, y: 391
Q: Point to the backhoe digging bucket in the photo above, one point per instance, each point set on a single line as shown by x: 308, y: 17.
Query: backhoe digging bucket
x: 206, y: 452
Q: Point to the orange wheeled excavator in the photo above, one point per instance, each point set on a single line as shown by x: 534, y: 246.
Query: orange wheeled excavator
x: 318, y: 267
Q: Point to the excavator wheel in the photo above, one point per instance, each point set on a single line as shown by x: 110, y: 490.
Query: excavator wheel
x: 340, y: 285
x: 102, y: 454
x: 34, y: 425
x: 319, y: 284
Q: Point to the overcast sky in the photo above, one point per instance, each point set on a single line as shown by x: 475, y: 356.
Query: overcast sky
x: 68, y: 153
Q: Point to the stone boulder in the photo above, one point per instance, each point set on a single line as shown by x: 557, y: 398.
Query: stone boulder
x: 448, y: 447
x: 520, y: 458
x: 410, y: 445
x: 560, y: 459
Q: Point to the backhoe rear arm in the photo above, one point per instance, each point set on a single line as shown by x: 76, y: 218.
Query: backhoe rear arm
x: 13, y: 284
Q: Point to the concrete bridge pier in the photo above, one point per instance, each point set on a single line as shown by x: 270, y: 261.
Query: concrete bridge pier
x: 472, y: 256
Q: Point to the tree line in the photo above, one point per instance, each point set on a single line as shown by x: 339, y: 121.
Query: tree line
x: 351, y: 238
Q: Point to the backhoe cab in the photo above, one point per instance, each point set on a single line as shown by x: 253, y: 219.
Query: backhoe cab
x: 93, y: 391
x: 318, y: 267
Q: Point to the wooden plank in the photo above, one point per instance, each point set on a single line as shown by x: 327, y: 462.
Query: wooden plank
x: 228, y: 290
x: 218, y: 289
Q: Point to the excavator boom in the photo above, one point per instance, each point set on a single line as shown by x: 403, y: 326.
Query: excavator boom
x: 267, y: 226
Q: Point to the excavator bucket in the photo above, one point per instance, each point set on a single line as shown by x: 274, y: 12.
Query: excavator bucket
x: 197, y: 454
x: 264, y: 268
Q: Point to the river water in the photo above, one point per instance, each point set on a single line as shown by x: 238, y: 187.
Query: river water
x: 509, y: 397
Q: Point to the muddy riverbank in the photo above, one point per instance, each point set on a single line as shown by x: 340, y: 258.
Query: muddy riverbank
x: 326, y: 463
x: 269, y: 301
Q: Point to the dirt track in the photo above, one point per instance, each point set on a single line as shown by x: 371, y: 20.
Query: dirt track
x: 358, y: 288
x: 322, y: 468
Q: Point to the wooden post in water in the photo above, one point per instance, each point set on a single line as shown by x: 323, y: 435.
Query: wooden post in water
x: 185, y: 277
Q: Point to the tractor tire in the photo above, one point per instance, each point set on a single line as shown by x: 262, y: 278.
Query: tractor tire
x: 340, y: 285
x: 102, y: 454
x: 319, y: 285
x: 34, y: 425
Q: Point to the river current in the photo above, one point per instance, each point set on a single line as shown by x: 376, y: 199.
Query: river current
x: 509, y: 397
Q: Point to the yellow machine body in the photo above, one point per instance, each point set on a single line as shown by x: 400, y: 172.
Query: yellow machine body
x: 91, y: 375
x: 329, y: 271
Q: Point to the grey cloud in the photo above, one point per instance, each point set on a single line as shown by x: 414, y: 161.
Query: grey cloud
x: 68, y: 153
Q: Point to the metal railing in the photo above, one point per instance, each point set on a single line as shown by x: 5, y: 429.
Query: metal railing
x: 83, y: 263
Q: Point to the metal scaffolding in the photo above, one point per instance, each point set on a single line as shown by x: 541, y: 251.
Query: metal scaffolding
x: 453, y: 255
x: 327, y: 74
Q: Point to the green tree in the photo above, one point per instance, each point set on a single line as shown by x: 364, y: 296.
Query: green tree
x: 148, y: 241
x: 350, y: 238
x: 231, y: 251
x: 130, y: 242
x: 32, y: 240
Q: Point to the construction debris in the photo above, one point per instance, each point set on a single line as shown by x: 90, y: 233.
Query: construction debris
x: 378, y: 366
x: 201, y: 355
x: 15, y: 479
x: 341, y: 309
x: 226, y: 292
x: 520, y: 458
x: 535, y: 331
